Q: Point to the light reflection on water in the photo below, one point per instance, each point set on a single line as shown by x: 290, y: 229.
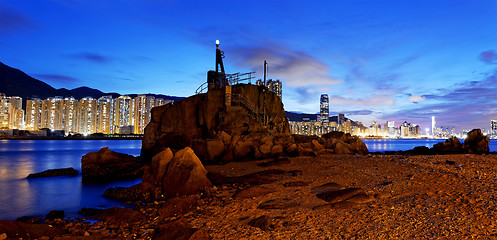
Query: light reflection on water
x: 20, y: 196
x: 383, y: 145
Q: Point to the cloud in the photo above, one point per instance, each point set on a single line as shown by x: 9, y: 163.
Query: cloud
x: 416, y: 99
x: 92, y: 57
x: 56, y: 77
x: 359, y: 112
x: 13, y: 20
x: 373, y: 100
x: 470, y: 105
x: 295, y: 69
x: 489, y: 57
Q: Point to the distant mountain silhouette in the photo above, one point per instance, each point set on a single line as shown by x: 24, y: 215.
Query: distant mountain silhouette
x: 14, y: 82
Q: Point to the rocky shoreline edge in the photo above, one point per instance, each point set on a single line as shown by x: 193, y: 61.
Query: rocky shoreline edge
x: 341, y: 196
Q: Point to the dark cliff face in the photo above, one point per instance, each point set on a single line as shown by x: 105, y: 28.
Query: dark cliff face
x: 253, y: 109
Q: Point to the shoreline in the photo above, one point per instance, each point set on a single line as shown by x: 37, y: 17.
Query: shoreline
x: 72, y: 138
x: 407, y: 197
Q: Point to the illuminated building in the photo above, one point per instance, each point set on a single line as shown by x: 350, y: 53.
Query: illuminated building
x: 123, y: 114
x: 11, y: 113
x: 493, y: 128
x: 324, y: 106
x: 33, y: 114
x: 341, y: 118
x: 105, y: 115
x: 87, y: 116
x: 52, y: 113
x: 160, y: 102
x: 275, y: 87
x: 433, y: 126
x: 408, y: 130
x: 70, y: 115
x: 143, y: 105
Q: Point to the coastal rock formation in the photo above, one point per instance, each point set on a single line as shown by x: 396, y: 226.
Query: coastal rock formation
x: 245, y: 123
x: 106, y: 164
x: 55, y: 173
x: 176, y: 174
x: 476, y: 142
x: 246, y: 109
x: 451, y: 145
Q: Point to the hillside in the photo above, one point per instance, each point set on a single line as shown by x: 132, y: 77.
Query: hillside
x: 15, y: 82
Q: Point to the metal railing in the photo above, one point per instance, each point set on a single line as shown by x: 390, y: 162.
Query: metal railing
x: 258, y: 113
x: 233, y: 79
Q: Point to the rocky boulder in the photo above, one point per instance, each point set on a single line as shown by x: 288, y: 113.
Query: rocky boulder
x: 347, y: 144
x: 106, y: 164
x: 176, y: 174
x: 450, y: 146
x: 476, y: 142
x: 55, y: 173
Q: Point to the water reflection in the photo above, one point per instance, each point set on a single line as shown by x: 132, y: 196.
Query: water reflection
x: 20, y: 196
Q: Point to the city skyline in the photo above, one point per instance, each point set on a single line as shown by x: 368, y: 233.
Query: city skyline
x: 376, y: 60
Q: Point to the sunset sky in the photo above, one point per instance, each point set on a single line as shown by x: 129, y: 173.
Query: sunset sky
x: 377, y: 60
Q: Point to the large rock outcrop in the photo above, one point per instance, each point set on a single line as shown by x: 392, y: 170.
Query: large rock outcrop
x: 107, y: 164
x: 248, y: 109
x: 248, y: 123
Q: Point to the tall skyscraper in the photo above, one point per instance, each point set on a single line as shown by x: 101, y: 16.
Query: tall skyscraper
x: 324, y: 105
x: 433, y: 126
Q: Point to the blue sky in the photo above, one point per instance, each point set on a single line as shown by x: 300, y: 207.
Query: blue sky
x: 377, y: 60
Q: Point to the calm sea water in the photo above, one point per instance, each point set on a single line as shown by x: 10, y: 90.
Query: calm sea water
x: 382, y: 145
x: 20, y: 196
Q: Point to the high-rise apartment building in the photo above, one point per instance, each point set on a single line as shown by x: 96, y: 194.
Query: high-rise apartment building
x: 70, y: 115
x: 341, y: 118
x: 86, y: 116
x: 33, y: 114
x: 105, y: 115
x: 493, y: 128
x: 275, y: 86
x: 324, y: 106
x: 87, y: 119
x: 52, y: 113
x: 11, y: 113
x: 143, y: 106
x: 123, y: 113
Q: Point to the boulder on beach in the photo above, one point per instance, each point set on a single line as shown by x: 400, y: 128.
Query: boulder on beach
x: 55, y: 173
x: 476, y: 142
x: 107, y: 164
x: 176, y: 174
